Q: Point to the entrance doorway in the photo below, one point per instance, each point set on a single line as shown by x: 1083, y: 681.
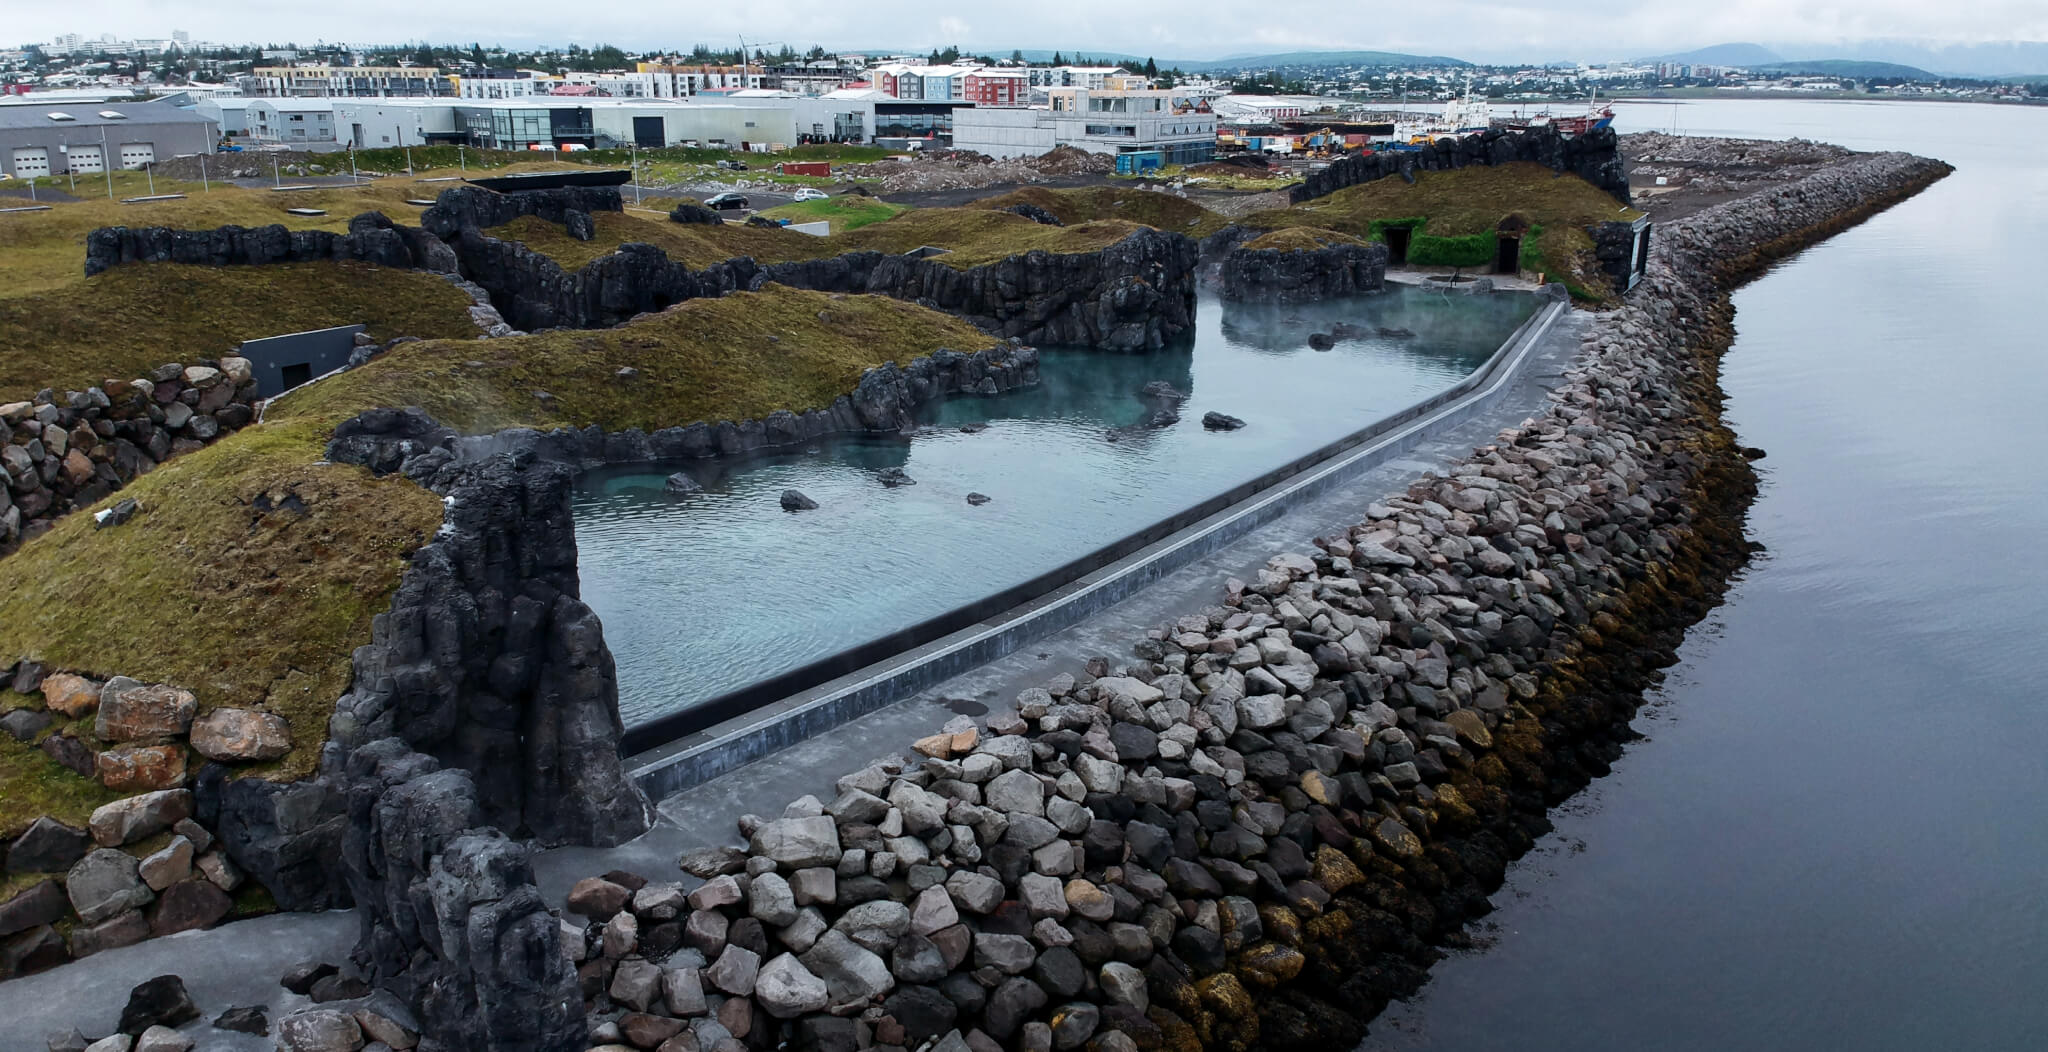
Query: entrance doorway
x: 1397, y: 245
x: 1509, y: 259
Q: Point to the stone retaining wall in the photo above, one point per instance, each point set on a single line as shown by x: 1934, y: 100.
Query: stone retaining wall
x: 65, y: 451
x: 1307, y: 274
x: 1250, y: 832
x: 1134, y: 295
x: 371, y: 238
x: 1594, y: 157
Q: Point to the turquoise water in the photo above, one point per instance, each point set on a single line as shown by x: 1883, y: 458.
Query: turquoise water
x: 1833, y: 837
x: 709, y: 593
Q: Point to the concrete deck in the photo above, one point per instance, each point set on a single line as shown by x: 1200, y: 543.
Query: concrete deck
x: 239, y: 964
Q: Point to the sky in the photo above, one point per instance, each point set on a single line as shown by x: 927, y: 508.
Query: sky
x: 1480, y: 30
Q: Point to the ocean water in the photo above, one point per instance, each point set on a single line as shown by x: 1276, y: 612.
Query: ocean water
x: 715, y: 591
x: 1836, y: 834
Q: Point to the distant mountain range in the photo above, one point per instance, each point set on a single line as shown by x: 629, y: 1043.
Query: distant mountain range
x: 2007, y: 60
x: 1212, y: 65
x: 1317, y: 58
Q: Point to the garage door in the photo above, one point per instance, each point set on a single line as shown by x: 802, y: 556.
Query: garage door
x: 31, y: 162
x: 87, y: 159
x: 137, y: 154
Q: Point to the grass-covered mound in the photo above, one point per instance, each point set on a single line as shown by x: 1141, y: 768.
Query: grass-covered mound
x: 695, y: 245
x: 249, y: 575
x: 740, y: 356
x: 40, y: 251
x: 1462, y: 207
x: 131, y: 319
x: 1086, y: 204
x: 972, y: 236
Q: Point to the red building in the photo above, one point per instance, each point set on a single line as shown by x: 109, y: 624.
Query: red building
x: 998, y: 87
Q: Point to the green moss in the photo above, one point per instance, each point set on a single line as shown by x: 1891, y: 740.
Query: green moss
x: 735, y: 357
x: 204, y: 589
x: 11, y: 700
x: 33, y: 785
x: 131, y: 319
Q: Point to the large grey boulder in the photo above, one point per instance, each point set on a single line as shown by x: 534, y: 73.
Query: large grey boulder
x: 851, y: 972
x: 786, y: 989
x: 104, y: 883
x: 319, y: 1030
x: 798, y: 842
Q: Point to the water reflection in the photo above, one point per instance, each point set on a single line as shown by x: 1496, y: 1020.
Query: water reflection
x: 705, y: 593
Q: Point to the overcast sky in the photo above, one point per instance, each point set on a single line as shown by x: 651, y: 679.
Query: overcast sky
x: 1507, y: 30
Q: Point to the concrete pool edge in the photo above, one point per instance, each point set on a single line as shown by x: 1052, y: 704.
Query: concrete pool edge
x: 697, y: 757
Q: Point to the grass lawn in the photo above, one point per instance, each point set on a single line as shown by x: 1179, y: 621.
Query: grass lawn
x: 1467, y: 201
x: 845, y: 212
x: 244, y: 607
x: 740, y: 356
x: 131, y: 319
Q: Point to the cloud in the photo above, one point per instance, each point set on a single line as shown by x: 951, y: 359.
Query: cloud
x: 1180, y: 29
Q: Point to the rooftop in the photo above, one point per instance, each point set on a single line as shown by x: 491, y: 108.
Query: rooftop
x: 89, y: 115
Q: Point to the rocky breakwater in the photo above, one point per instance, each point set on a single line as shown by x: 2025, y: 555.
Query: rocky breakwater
x: 1258, y: 828
x: 1298, y: 275
x: 1594, y: 157
x: 63, y: 451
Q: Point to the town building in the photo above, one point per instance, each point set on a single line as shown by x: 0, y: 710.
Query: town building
x: 39, y: 142
x: 1153, y: 127
x: 291, y: 121
x: 349, y: 81
x: 231, y: 113
x: 670, y: 80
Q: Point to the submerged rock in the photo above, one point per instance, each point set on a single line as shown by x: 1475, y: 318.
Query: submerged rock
x: 1321, y: 341
x: 978, y: 499
x: 1221, y: 421
x: 680, y: 484
x: 793, y: 500
x: 894, y: 477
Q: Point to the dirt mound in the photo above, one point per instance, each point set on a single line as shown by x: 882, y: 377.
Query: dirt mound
x: 963, y: 169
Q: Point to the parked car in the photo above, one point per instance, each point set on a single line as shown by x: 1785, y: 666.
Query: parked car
x: 725, y: 201
x: 733, y: 166
x: 810, y: 194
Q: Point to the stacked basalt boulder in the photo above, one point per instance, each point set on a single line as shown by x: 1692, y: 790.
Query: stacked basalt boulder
x: 371, y: 238
x: 1303, y: 275
x: 1249, y: 834
x: 62, y: 451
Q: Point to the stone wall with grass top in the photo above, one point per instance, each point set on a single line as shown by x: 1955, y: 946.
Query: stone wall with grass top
x: 65, y: 450
x: 1255, y: 827
x: 1594, y: 157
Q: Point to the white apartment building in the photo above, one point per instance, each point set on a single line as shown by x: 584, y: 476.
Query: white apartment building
x: 1163, y: 125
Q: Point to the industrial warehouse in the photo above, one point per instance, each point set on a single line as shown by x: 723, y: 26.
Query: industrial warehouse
x: 80, y: 139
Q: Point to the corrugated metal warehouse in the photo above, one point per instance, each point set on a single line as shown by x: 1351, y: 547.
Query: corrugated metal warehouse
x: 40, y: 141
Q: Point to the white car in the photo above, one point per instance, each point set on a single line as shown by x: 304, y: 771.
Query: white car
x: 810, y: 194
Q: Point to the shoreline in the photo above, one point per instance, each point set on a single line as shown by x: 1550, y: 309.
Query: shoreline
x: 1379, y: 873
x: 1392, y: 870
